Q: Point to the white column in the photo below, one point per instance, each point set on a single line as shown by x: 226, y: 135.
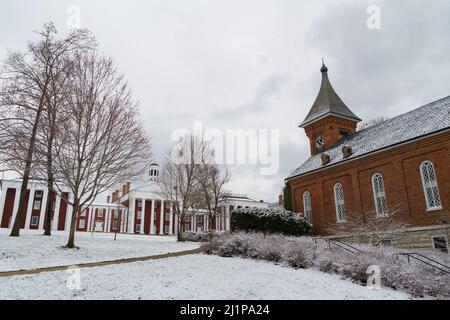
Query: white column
x: 56, y: 212
x: 89, y: 216
x: 2, y: 199
x: 91, y: 226
x: 176, y: 223
x: 107, y: 219
x: 131, y: 215
x: 193, y: 222
x: 152, y: 218
x: 29, y: 209
x: 141, y: 231
x: 43, y: 209
x: 227, y: 218
x: 171, y: 221
x: 15, y: 207
x: 69, y: 215
x: 161, y: 218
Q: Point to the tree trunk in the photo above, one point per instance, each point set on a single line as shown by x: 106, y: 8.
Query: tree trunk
x: 73, y: 222
x: 49, y: 209
x: 50, y: 178
x: 15, y: 232
x: 181, y: 219
x: 212, y: 222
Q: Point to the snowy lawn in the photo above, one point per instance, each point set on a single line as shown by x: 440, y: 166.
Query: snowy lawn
x: 33, y: 250
x: 192, y: 277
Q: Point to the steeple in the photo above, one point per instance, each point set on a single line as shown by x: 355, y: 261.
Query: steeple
x: 329, y: 119
x: 327, y: 102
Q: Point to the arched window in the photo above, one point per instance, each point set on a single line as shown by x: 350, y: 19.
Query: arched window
x: 430, y: 185
x: 339, y: 201
x: 379, y: 195
x: 307, y: 206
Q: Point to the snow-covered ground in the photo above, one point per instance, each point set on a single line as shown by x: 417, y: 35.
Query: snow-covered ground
x: 191, y: 277
x: 33, y: 250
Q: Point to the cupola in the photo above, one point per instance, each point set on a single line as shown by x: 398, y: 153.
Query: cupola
x: 329, y: 119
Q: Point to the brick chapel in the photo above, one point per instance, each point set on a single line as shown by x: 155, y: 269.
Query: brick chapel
x: 399, y: 166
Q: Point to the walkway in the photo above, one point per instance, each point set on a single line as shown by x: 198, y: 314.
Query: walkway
x: 100, y: 264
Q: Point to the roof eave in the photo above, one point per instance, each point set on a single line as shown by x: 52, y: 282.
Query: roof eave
x: 307, y: 123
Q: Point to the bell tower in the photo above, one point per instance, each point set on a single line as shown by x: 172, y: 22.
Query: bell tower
x: 153, y: 172
x: 329, y: 119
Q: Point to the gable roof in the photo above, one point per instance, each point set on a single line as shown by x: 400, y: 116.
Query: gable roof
x: 431, y: 118
x: 328, y: 103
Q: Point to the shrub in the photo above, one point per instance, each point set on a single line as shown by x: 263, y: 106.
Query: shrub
x: 301, y: 252
x: 205, y: 236
x: 269, y: 221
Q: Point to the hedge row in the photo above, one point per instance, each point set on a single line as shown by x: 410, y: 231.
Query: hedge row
x: 269, y: 221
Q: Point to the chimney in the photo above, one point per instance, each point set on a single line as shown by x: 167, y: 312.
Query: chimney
x: 128, y: 187
x: 347, y: 152
x: 113, y: 197
x: 280, y: 199
x: 108, y: 199
x: 124, y: 189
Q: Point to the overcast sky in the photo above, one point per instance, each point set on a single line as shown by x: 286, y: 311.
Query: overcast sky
x: 255, y: 63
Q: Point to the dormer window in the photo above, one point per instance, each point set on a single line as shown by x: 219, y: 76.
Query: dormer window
x: 344, y: 133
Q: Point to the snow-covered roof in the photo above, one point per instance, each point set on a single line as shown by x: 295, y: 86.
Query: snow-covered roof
x: 423, y: 121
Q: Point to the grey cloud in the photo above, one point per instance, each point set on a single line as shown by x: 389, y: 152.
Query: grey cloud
x: 392, y: 70
x: 182, y: 59
x: 267, y: 90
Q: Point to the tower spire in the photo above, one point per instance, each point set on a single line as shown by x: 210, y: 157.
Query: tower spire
x: 324, y: 68
x: 328, y: 102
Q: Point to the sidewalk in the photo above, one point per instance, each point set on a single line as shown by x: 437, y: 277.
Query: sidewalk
x: 100, y: 263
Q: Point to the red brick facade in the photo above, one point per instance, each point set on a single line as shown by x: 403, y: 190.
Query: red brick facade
x: 397, y: 170
x: 400, y: 168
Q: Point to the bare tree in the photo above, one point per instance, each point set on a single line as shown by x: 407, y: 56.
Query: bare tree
x: 372, y: 122
x: 212, y: 185
x: 373, y: 227
x: 179, y: 180
x: 102, y: 142
x: 26, y: 81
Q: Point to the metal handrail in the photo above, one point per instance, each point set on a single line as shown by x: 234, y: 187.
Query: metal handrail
x: 340, y: 244
x: 424, y: 259
x: 348, y: 245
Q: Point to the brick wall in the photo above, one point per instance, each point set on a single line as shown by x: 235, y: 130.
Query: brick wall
x: 400, y: 168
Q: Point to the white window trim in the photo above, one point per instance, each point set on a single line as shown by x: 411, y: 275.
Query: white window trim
x: 37, y: 221
x: 375, y: 197
x: 427, y: 201
x: 35, y: 205
x: 82, y: 226
x: 336, y: 203
x: 440, y: 236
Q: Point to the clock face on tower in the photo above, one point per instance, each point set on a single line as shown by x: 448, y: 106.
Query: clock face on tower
x: 320, y: 142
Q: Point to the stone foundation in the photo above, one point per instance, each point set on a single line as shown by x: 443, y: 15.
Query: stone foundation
x: 411, y: 238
